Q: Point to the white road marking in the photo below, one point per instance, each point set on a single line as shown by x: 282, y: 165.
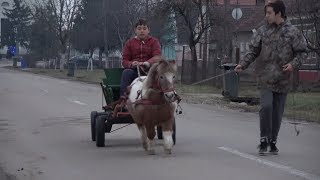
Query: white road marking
x: 77, y: 102
x: 288, y: 169
x: 44, y: 90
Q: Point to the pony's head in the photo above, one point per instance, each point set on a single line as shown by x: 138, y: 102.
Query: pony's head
x: 162, y: 76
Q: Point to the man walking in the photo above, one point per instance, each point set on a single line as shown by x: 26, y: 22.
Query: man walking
x: 281, y: 47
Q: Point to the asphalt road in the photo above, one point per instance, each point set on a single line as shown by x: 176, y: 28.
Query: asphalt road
x: 45, y: 135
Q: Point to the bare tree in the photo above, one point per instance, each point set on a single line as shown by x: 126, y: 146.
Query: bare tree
x: 125, y: 13
x: 307, y: 16
x: 64, y: 12
x: 87, y: 31
x: 193, y: 17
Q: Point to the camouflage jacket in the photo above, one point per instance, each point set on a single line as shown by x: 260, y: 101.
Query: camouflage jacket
x: 272, y: 47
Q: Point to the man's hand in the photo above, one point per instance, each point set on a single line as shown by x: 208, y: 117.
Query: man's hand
x: 287, y: 67
x: 238, y: 68
x: 134, y: 64
x: 146, y: 64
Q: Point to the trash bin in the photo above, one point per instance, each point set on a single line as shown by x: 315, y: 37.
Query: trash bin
x: 71, y: 68
x: 23, y: 63
x: 15, y: 61
x: 230, y: 81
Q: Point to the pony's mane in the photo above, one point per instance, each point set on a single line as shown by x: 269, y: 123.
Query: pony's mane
x: 160, y: 67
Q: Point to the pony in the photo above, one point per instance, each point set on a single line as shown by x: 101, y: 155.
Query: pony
x: 152, y: 101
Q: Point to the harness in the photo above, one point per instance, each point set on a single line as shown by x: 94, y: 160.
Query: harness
x: 155, y: 87
x: 139, y: 100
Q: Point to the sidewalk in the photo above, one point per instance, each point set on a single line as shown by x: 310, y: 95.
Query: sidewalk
x: 5, y: 62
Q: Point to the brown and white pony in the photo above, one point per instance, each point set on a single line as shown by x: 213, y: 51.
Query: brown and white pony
x: 152, y: 102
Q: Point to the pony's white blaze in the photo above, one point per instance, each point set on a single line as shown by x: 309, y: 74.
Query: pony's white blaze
x: 170, y: 77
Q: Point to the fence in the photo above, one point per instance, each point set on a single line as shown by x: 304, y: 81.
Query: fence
x: 211, y: 68
x: 113, y: 62
x: 308, y: 76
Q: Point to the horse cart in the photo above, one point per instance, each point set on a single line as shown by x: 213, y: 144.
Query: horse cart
x: 102, y: 122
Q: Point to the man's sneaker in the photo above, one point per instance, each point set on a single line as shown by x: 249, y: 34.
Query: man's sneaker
x: 273, y: 147
x: 263, y: 146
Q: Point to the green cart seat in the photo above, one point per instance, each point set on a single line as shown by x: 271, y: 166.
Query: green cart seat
x: 113, y: 77
x: 111, y: 84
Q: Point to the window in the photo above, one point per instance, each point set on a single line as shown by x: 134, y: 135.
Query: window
x: 5, y: 4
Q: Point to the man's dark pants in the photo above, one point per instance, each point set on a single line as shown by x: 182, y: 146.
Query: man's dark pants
x: 128, y: 75
x: 271, y: 110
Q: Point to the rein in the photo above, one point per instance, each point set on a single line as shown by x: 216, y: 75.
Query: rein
x: 208, y: 79
x: 138, y: 70
x: 295, y: 123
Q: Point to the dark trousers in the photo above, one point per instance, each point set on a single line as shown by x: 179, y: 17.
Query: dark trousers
x: 128, y: 75
x: 271, y: 110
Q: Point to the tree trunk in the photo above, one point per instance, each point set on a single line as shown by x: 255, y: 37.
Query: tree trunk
x: 105, y: 6
x: 62, y: 60
x: 318, y: 55
x: 100, y: 58
x: 216, y: 64
x: 90, y: 63
x: 69, y: 51
x: 194, y: 68
x: 63, y: 55
x: 205, y: 58
x: 205, y: 46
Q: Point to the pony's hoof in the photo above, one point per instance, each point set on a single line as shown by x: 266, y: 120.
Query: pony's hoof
x: 151, y: 152
x: 168, y: 151
x: 144, y: 145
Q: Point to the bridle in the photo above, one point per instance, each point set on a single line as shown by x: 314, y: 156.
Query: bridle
x: 156, y: 86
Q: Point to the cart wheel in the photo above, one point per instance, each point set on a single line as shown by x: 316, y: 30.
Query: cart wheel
x: 93, y: 117
x: 100, y: 130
